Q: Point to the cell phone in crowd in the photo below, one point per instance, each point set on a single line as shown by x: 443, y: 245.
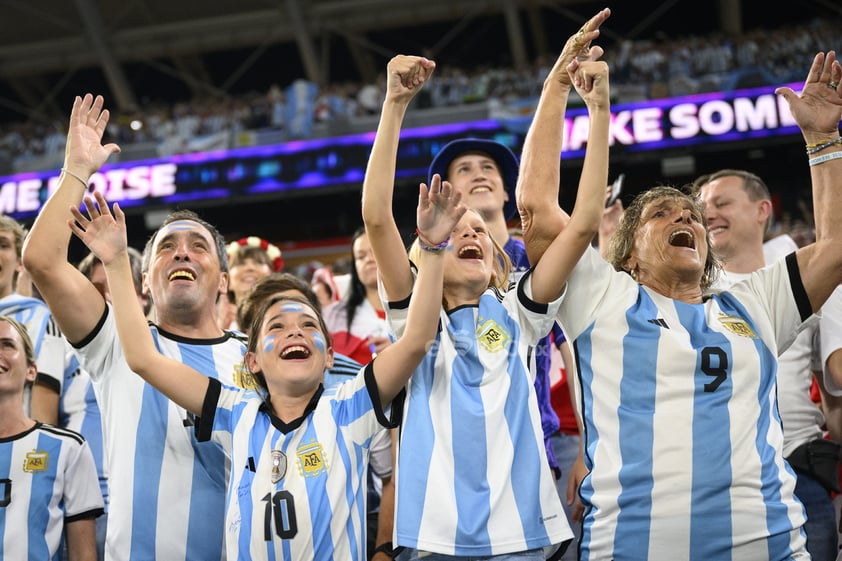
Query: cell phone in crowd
x: 616, y: 189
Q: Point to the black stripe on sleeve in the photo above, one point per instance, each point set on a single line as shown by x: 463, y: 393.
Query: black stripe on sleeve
x: 528, y: 303
x: 204, y: 424
x: 798, y: 290
x: 47, y: 381
x: 94, y: 513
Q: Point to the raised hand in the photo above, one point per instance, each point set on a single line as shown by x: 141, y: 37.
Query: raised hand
x: 439, y: 209
x: 818, y: 109
x: 590, y: 78
x: 406, y: 75
x: 104, y: 234
x: 578, y: 46
x: 84, y: 153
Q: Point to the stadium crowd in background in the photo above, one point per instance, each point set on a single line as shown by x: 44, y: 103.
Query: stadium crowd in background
x: 642, y: 69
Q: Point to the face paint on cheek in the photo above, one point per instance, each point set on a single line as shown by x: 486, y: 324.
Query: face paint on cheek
x: 268, y: 344
x: 319, y: 342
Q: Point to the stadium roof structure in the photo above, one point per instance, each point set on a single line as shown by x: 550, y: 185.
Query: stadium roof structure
x: 49, y: 48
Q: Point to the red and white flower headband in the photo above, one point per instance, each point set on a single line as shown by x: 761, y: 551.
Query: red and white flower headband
x: 276, y: 261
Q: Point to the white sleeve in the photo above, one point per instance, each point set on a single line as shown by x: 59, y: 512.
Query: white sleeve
x: 830, y: 331
x: 380, y: 453
x: 50, y: 359
x: 82, y: 492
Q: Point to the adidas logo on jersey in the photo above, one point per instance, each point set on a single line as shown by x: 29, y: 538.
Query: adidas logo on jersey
x: 659, y: 322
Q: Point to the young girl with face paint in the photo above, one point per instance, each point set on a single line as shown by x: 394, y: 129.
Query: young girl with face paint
x: 297, y: 485
x: 472, y: 473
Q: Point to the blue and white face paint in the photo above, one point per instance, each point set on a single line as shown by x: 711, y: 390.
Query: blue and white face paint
x: 319, y: 342
x: 268, y: 344
x: 289, y: 322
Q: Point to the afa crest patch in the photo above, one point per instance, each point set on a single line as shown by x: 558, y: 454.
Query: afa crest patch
x: 311, y: 459
x: 36, y: 461
x: 492, y: 336
x: 737, y: 326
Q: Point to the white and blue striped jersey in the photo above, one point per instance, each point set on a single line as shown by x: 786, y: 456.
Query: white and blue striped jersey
x: 682, y: 432
x: 344, y: 368
x: 78, y: 410
x: 167, y: 490
x: 47, y: 478
x: 802, y: 420
x: 297, y: 489
x: 472, y: 476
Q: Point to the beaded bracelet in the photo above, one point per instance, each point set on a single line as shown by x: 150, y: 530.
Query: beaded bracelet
x: 73, y: 175
x: 813, y: 148
x: 427, y: 245
x: 824, y: 158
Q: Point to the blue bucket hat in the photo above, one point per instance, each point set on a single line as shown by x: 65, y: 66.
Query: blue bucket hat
x: 500, y: 153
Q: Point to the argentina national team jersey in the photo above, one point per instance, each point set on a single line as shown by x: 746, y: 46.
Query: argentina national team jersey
x: 47, y: 475
x: 167, y: 490
x: 297, y: 489
x: 78, y: 411
x: 473, y: 477
x: 682, y: 432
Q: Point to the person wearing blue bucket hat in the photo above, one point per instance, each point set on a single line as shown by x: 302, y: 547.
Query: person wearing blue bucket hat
x: 485, y: 173
x: 500, y: 154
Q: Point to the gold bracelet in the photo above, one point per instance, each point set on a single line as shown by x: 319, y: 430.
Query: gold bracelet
x: 71, y: 174
x: 813, y: 148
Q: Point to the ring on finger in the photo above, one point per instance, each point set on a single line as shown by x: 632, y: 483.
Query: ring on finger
x: 832, y: 85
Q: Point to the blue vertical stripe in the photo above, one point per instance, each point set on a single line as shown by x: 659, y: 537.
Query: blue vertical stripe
x: 149, y: 455
x: 321, y: 511
x: 291, y: 464
x: 635, y: 421
x: 275, y: 444
x: 41, y: 493
x: 777, y: 515
x: 470, y: 453
x: 527, y: 460
x: 242, y: 494
x: 348, y: 464
x: 583, y: 348
x: 207, y: 499
x: 91, y: 429
x: 353, y: 462
x: 711, y: 432
x: 415, y: 457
